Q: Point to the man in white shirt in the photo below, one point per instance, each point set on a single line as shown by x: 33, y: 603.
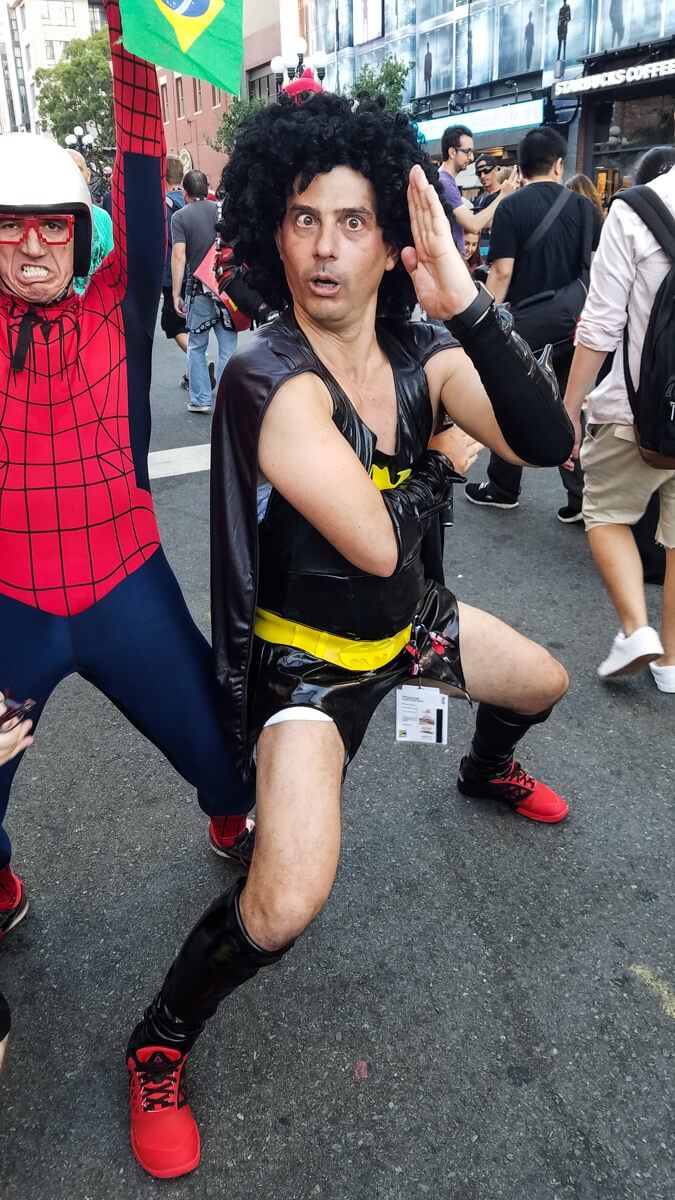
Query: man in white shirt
x: 627, y: 272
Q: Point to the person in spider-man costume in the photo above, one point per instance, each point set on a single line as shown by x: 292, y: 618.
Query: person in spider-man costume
x: 84, y: 584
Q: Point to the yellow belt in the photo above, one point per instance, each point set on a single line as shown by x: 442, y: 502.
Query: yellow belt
x: 349, y: 653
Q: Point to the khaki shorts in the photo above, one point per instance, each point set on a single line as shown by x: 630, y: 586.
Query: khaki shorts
x: 618, y: 482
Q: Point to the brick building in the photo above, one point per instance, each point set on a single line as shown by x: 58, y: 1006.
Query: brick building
x: 193, y: 109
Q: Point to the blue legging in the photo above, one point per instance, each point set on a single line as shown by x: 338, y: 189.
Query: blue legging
x: 141, y: 648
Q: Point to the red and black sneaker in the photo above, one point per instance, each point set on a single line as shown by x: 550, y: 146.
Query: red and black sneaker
x: 164, y: 1136
x: 9, y: 917
x: 529, y: 797
x: 228, y: 843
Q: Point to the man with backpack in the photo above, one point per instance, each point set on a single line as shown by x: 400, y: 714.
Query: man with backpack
x: 542, y: 241
x: 629, y: 448
x: 193, y: 230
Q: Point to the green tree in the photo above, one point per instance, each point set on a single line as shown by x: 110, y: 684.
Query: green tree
x: 388, y: 78
x: 78, y: 90
x: 239, y: 112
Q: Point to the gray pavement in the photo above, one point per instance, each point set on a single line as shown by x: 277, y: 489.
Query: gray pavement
x: 509, y: 986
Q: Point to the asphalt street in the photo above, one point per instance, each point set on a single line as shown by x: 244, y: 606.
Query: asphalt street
x: 485, y: 1008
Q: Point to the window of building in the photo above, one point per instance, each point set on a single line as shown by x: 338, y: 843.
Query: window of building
x: 180, y: 103
x: 22, y: 16
x: 215, y: 96
x: 164, y: 97
x: 197, y: 94
x: 53, y: 12
x: 50, y: 53
x: 96, y: 19
x: 29, y: 60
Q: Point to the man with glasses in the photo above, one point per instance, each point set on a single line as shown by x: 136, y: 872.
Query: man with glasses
x: 457, y: 153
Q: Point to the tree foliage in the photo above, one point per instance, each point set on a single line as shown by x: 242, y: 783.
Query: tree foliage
x: 78, y: 90
x: 239, y: 112
x: 388, y: 79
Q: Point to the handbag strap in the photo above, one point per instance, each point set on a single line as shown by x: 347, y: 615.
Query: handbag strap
x: 547, y: 221
x: 654, y: 213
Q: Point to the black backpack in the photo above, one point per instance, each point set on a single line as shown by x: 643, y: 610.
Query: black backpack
x: 653, y: 402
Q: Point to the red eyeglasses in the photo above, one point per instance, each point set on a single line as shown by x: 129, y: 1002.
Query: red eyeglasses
x: 15, y: 710
x: 56, y: 230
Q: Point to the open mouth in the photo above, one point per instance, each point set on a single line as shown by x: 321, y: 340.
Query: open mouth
x: 34, y: 272
x: 324, y: 285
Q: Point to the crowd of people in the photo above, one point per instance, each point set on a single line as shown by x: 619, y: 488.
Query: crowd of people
x: 323, y: 599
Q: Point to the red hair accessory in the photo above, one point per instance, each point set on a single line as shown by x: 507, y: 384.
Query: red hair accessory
x: 306, y: 83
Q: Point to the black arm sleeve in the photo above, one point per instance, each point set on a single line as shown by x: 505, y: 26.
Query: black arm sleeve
x: 523, y: 391
x: 423, y: 494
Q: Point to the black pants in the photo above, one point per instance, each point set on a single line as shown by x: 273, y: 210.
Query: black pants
x: 506, y: 478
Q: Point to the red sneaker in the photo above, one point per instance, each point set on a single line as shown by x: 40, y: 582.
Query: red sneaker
x: 164, y: 1136
x: 18, y: 901
x: 529, y: 797
x: 234, y: 838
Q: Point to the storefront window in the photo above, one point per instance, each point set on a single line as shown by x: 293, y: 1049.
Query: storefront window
x: 623, y: 130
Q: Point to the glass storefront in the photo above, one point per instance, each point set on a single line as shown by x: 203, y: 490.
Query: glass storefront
x: 622, y: 129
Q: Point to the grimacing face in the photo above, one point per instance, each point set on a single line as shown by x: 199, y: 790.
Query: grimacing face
x: 33, y: 270
x: 332, y: 248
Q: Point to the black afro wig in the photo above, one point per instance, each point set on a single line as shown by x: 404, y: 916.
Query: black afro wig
x: 287, y: 140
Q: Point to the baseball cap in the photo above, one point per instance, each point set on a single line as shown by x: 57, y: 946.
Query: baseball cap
x: 485, y: 160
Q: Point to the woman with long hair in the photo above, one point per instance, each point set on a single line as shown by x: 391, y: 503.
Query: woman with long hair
x: 585, y: 187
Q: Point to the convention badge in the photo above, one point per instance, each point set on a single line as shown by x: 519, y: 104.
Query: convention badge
x: 421, y: 715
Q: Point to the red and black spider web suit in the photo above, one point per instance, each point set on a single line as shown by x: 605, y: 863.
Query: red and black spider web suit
x: 84, y: 585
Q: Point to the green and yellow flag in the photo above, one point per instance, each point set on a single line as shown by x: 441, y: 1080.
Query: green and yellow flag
x: 202, y: 38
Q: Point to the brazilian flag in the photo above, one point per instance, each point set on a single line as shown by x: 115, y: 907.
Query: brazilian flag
x: 202, y: 38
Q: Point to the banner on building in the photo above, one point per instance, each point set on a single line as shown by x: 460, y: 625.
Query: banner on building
x: 201, y: 38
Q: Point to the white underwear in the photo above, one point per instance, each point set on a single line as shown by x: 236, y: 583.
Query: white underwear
x: 299, y: 712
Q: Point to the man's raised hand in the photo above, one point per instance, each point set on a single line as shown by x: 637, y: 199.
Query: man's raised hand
x: 440, y: 276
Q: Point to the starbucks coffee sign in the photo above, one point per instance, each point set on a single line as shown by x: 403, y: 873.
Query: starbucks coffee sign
x: 620, y: 77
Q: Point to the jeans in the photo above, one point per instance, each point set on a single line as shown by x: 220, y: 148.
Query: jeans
x: 202, y: 308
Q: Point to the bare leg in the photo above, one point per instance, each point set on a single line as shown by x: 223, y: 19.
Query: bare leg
x: 618, y: 561
x: 181, y: 339
x: 299, y: 776
x: 504, y: 668
x: 668, y: 618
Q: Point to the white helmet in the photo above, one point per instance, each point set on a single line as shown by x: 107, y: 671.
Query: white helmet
x: 37, y: 175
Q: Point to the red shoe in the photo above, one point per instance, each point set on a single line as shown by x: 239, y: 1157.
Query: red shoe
x: 9, y: 917
x: 529, y: 797
x: 164, y: 1136
x: 234, y: 838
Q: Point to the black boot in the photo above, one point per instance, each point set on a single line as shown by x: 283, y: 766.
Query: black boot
x: 216, y: 957
x: 489, y: 771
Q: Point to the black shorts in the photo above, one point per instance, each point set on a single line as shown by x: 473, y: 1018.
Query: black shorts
x: 170, y: 322
x: 285, y: 677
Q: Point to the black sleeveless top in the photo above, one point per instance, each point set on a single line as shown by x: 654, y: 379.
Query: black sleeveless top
x: 284, y: 565
x: 302, y: 576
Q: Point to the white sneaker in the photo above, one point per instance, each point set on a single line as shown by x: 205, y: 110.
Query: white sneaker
x: 630, y: 654
x: 664, y: 677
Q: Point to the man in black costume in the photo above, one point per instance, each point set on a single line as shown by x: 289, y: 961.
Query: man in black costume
x: 322, y: 488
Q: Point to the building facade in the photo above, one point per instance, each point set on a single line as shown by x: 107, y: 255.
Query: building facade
x: 33, y: 33
x: 494, y: 65
x: 193, y: 110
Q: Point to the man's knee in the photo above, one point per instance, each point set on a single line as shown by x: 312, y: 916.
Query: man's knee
x: 273, y: 917
x: 555, y: 680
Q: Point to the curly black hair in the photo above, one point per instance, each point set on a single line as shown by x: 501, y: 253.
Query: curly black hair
x: 287, y: 140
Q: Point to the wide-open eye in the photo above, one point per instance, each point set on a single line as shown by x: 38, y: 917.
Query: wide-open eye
x: 304, y: 220
x: 354, y: 223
